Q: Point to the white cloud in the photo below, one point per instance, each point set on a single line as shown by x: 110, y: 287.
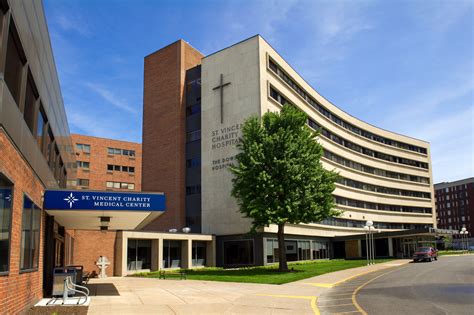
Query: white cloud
x: 111, y: 98
x: 71, y: 23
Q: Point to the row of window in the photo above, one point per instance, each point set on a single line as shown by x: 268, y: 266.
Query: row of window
x: 121, y: 168
x: 81, y: 147
x: 86, y: 148
x: 383, y: 190
x: 379, y: 206
x: 348, y: 144
x: 453, y: 220
x: 82, y: 164
x: 30, y: 229
x: 20, y: 81
x: 357, y: 148
x: 377, y: 225
x: 372, y: 170
x: 120, y: 185
x: 369, y: 135
x: 297, y: 250
x: 120, y: 151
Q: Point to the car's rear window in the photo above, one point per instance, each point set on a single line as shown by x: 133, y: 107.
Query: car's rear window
x: 423, y: 249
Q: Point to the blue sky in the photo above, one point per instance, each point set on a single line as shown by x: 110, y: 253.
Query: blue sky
x: 406, y: 66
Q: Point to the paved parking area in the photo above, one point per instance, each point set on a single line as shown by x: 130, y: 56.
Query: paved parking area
x: 130, y: 295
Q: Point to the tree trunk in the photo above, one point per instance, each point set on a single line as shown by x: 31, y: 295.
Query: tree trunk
x: 283, y: 265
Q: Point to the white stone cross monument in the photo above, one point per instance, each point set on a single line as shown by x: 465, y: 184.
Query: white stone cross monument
x: 103, y: 264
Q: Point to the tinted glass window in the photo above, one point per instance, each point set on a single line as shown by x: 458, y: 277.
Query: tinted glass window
x: 6, y: 196
x: 30, y: 232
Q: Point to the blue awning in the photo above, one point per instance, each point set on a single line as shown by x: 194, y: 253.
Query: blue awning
x: 84, y: 209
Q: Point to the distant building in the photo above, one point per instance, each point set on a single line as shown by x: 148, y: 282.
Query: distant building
x: 455, y: 205
x: 106, y: 164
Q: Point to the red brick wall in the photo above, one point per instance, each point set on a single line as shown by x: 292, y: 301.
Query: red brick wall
x: 89, y: 245
x: 164, y: 129
x: 98, y: 158
x: 19, y: 291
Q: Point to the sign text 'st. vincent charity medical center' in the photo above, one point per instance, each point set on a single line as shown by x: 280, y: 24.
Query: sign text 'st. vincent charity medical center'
x: 94, y: 200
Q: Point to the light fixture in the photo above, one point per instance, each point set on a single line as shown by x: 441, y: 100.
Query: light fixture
x: 186, y: 230
x: 369, y: 223
x: 104, y: 221
x: 172, y: 230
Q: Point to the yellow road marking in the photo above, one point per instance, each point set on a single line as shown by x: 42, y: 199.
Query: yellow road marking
x: 336, y: 305
x: 330, y: 285
x: 354, y: 300
x: 324, y: 300
x: 312, y: 299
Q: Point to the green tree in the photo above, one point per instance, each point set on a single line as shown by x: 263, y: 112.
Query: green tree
x: 278, y: 178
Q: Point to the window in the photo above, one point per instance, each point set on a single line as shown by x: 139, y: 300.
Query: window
x: 194, y: 162
x: 193, y: 109
x: 120, y: 185
x: 40, y: 122
x: 83, y: 164
x: 192, y: 190
x: 30, y: 234
x: 193, y: 136
x: 199, y: 253
x: 110, y: 167
x: 82, y: 182
x: 238, y: 253
x: 131, y: 169
x: 86, y: 148
x: 6, y: 195
x: 110, y: 151
x: 117, y: 168
x: 31, y: 97
x: 15, y: 63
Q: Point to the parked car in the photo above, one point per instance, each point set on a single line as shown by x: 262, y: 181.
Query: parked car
x: 425, y: 253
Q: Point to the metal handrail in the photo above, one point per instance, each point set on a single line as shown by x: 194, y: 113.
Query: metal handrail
x: 70, y: 286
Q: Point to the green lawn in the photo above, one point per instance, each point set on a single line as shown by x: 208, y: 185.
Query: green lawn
x: 269, y: 274
x: 451, y: 252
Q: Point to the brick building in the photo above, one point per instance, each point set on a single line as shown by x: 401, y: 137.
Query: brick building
x: 103, y: 164
x: 455, y: 205
x: 106, y: 164
x: 35, y: 155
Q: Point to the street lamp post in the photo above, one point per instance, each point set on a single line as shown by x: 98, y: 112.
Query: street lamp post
x: 369, y: 228
x: 464, y: 239
x: 366, y: 228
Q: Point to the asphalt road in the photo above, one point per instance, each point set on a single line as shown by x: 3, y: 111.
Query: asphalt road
x: 445, y: 286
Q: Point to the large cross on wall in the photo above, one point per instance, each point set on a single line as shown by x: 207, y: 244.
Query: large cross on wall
x: 221, y: 87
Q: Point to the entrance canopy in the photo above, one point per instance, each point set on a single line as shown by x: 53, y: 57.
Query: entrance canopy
x: 96, y: 210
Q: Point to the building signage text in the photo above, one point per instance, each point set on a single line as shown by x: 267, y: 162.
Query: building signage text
x: 93, y: 200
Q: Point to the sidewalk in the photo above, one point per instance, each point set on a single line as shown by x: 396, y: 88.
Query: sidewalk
x: 151, y: 296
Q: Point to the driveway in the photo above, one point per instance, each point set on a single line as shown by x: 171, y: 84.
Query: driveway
x: 129, y: 295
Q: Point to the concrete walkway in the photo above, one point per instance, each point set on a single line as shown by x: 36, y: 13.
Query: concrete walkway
x: 153, y: 296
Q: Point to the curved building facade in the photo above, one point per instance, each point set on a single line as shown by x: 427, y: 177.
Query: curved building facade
x: 385, y: 177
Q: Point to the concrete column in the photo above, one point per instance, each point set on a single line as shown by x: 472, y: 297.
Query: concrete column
x: 211, y: 253
x: 160, y: 253
x: 186, y: 253
x: 154, y: 255
x: 359, y: 246
x: 121, y: 254
x: 390, y: 247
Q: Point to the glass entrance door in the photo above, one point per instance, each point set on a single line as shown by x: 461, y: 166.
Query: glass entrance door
x: 138, y: 254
